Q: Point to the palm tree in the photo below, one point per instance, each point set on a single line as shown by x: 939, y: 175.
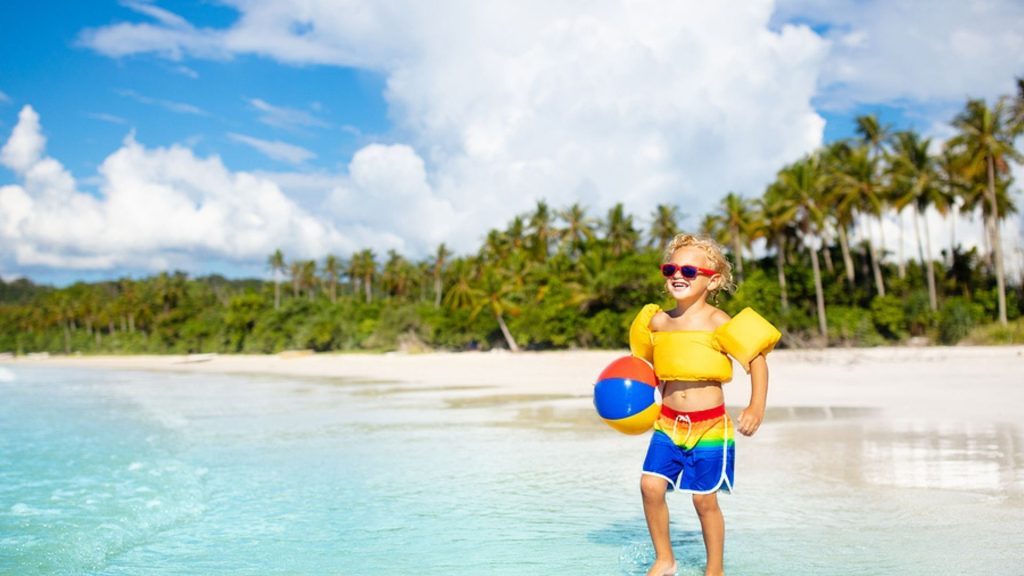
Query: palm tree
x: 874, y: 137
x: 950, y: 172
x: 397, y: 275
x: 856, y: 178
x: 494, y: 294
x: 986, y: 143
x: 664, y: 225
x: 620, y: 233
x: 480, y: 286
x: 277, y: 266
x: 731, y: 226
x: 776, y: 215
x: 578, y: 229
x: 1017, y: 110
x: 332, y: 269
x: 440, y: 259
x: 803, y: 183
x: 915, y: 182
x: 542, y: 231
x: 842, y: 200
x: 362, y: 269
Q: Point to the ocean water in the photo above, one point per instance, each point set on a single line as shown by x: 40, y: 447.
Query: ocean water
x: 119, y: 473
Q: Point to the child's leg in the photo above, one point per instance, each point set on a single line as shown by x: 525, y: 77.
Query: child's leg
x: 653, y: 489
x: 712, y: 524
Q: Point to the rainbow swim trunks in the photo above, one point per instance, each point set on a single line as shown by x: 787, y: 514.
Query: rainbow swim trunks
x: 694, y: 451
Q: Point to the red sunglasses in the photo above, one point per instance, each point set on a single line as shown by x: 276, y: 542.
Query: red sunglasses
x: 688, y: 272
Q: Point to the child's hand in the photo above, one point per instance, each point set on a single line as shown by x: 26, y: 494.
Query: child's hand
x: 750, y: 420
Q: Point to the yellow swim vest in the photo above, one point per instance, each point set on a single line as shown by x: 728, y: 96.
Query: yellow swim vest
x: 701, y: 355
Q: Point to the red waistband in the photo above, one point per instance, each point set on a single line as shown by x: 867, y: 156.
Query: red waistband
x: 696, y: 416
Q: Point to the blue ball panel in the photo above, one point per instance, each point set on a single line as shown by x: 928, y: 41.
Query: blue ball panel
x: 617, y: 398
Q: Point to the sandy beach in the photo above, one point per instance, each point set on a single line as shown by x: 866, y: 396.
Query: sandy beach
x: 929, y: 382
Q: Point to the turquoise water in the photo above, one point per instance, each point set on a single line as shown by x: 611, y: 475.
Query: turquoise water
x: 122, y: 473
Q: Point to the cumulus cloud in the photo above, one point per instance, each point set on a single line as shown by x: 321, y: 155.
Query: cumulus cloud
x: 387, y: 190
x: 156, y: 207
x: 884, y: 51
x: 275, y: 149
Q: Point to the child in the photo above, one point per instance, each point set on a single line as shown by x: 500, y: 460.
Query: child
x: 691, y: 449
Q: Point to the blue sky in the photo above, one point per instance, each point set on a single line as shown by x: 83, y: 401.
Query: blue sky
x: 140, y: 136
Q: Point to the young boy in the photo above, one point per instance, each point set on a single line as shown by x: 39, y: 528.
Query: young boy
x: 691, y: 449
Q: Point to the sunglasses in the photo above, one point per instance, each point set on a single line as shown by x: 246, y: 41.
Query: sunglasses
x: 688, y: 272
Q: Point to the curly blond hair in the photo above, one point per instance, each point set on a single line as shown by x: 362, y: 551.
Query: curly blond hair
x: 712, y: 251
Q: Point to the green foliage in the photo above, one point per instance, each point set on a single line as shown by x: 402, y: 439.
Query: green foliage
x: 849, y: 326
x: 889, y: 317
x: 994, y: 333
x: 956, y: 319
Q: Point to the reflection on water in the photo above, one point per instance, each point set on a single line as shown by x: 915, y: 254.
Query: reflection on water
x: 953, y: 455
x: 969, y: 456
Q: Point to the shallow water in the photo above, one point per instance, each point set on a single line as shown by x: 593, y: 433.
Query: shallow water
x: 144, y: 473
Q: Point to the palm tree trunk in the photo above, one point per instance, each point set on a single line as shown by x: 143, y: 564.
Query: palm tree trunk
x: 876, y: 268
x: 819, y: 293
x: 932, y: 292
x: 437, y: 292
x: 368, y: 287
x: 277, y: 292
x: 926, y: 265
x: 737, y: 249
x: 996, y: 242
x: 67, y: 338
x: 952, y: 236
x: 505, y: 332
x: 844, y: 245
x: 826, y: 253
x: 780, y: 262
x: 901, y: 264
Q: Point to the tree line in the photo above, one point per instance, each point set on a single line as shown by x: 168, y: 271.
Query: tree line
x: 810, y: 253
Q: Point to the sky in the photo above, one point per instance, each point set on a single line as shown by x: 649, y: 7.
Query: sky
x: 141, y: 136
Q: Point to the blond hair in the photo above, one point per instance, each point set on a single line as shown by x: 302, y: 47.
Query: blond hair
x: 712, y: 251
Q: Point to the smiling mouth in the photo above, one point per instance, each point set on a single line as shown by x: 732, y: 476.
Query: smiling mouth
x: 679, y: 284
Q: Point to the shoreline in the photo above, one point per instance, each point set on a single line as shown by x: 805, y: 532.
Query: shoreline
x: 936, y: 382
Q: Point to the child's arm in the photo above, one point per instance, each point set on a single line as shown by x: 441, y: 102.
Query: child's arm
x: 751, y: 417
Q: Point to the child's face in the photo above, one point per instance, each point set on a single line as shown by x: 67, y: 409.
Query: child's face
x: 681, y: 288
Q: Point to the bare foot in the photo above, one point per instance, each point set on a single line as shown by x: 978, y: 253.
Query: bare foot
x: 663, y: 568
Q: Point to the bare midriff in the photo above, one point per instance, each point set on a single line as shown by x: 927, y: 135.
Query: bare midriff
x: 691, y: 396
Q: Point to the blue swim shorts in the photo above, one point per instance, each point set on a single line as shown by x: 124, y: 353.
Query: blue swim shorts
x: 694, y: 451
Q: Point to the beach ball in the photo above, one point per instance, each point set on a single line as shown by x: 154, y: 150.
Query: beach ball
x: 626, y: 395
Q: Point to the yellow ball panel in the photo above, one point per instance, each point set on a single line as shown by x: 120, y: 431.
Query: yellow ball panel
x: 638, y: 423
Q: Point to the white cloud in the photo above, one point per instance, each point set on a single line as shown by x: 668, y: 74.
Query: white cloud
x: 387, y: 191
x: 156, y: 207
x: 275, y: 149
x: 4, y: 98
x: 283, y: 117
x: 26, y: 144
x: 111, y: 118
x: 887, y: 51
x: 179, y: 107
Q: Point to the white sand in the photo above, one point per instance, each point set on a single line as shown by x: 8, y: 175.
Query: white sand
x: 934, y: 382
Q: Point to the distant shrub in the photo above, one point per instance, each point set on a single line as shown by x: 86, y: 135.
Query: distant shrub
x: 956, y: 319
x: 852, y: 326
x: 889, y: 317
